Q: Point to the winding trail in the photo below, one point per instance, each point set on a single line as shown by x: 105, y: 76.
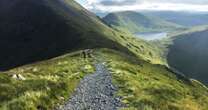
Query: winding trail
x: 95, y: 92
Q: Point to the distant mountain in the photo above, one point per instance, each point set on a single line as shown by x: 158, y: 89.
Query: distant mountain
x: 101, y: 14
x: 188, y: 53
x: 36, y: 30
x: 182, y: 18
x: 137, y: 22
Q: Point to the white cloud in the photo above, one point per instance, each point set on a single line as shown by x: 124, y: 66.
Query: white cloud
x: 136, y: 5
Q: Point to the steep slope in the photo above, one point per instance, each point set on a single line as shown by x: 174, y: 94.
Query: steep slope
x: 188, y: 53
x: 33, y: 30
x: 188, y: 19
x: 137, y: 22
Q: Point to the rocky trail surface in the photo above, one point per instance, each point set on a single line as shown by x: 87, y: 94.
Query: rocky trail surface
x: 95, y: 92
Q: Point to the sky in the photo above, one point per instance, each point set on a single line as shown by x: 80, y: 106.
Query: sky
x: 137, y: 5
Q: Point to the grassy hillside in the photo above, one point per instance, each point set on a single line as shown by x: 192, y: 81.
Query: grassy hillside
x: 45, y: 83
x: 188, y: 53
x: 33, y: 30
x: 163, y: 44
x: 145, y: 86
x: 137, y: 22
x: 141, y: 85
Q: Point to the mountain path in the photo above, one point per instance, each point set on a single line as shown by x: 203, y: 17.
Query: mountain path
x: 95, y: 92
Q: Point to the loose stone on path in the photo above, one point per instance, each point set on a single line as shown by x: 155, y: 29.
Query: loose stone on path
x: 95, y: 92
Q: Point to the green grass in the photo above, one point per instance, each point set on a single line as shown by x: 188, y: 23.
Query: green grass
x: 145, y: 86
x: 47, y: 83
x: 70, y: 26
x: 142, y: 85
x: 50, y: 82
x: 187, y: 52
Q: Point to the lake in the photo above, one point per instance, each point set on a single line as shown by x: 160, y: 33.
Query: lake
x: 151, y: 35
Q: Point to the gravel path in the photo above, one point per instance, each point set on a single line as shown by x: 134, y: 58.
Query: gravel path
x: 95, y: 92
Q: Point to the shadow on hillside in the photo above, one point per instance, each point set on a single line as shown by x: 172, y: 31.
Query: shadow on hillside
x: 30, y: 32
x: 189, y: 54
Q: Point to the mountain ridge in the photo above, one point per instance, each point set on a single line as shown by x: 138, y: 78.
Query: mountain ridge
x: 42, y: 30
x: 137, y: 22
x: 187, y: 19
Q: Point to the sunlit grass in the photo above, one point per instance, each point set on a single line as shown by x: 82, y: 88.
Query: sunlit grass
x: 144, y: 86
x: 46, y: 84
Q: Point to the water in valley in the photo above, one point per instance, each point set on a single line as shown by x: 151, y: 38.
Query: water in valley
x: 151, y: 35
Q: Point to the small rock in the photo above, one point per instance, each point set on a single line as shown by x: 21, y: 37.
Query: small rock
x: 59, y: 63
x: 14, y: 76
x: 35, y: 69
x: 87, y: 67
x: 21, y: 77
x: 62, y: 98
x: 18, y: 77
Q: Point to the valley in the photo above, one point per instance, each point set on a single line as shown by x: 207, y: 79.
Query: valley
x: 183, y: 48
x: 58, y: 55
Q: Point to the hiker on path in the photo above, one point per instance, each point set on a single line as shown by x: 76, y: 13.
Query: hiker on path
x: 87, y: 53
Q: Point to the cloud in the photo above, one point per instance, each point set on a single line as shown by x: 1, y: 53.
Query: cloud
x: 136, y: 5
x: 130, y: 2
x: 193, y: 2
x: 118, y: 2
